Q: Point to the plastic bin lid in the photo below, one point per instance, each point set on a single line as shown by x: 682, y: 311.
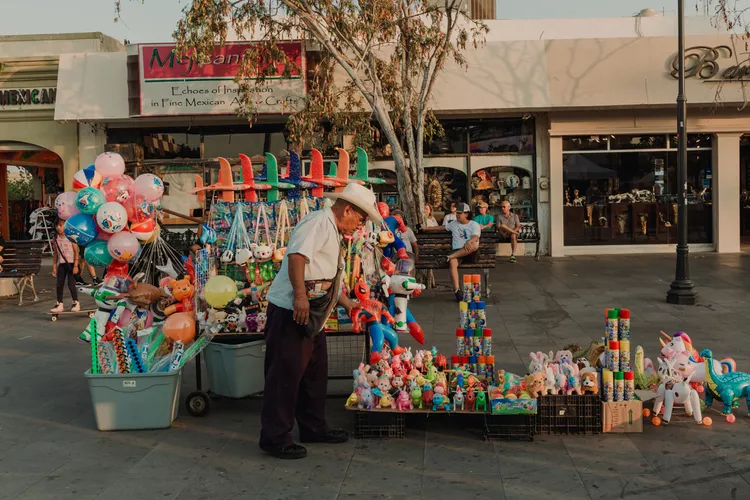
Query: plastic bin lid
x: 241, y: 338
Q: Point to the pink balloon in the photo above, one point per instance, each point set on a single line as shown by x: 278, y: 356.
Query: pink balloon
x: 66, y: 205
x: 123, y: 246
x: 109, y: 164
x: 149, y: 186
x: 139, y: 208
x: 118, y: 189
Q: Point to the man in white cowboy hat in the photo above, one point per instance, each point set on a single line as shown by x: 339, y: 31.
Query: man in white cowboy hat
x: 300, y: 300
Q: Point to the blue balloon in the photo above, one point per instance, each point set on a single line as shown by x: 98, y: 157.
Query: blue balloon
x: 89, y: 200
x: 80, y: 229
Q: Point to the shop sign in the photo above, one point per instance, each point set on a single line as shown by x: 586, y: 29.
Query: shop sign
x: 714, y: 64
x: 173, y: 84
x: 28, y: 98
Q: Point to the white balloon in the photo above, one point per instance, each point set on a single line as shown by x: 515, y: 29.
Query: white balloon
x: 109, y: 164
x: 112, y: 217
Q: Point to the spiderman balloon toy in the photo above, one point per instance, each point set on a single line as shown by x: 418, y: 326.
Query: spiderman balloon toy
x: 372, y: 313
x: 393, y: 223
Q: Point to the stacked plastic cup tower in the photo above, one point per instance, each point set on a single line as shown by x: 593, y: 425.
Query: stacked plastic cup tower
x: 618, y: 381
x: 473, y: 338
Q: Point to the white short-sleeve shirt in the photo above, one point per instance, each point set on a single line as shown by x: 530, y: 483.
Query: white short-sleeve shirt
x: 317, y: 238
x: 463, y: 232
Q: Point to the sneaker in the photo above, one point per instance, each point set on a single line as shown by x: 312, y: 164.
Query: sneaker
x: 512, y: 259
x: 459, y: 295
x: 76, y: 306
x: 80, y: 282
x: 57, y: 309
x: 97, y: 281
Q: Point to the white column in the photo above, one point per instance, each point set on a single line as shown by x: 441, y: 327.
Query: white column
x: 556, y: 197
x: 726, y: 192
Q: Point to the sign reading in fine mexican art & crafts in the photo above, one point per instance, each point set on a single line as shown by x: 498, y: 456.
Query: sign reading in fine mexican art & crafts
x: 173, y: 84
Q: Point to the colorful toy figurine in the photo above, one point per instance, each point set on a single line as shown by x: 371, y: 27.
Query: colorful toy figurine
x: 386, y: 400
x: 373, y: 311
x: 471, y: 399
x: 563, y: 357
x: 427, y: 394
x: 403, y: 286
x: 181, y: 292
x: 402, y: 401
x: 416, y: 396
x: 668, y: 377
x: 570, y: 371
x: 366, y: 399
x: 458, y: 399
x: 682, y: 394
x: 439, y: 403
x: 728, y: 387
x: 352, y: 400
x: 680, y: 344
x: 481, y: 403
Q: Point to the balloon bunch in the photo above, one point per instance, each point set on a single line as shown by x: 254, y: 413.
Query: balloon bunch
x: 109, y: 212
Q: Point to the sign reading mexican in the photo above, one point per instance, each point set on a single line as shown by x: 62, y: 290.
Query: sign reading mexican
x: 174, y: 84
x: 29, y: 98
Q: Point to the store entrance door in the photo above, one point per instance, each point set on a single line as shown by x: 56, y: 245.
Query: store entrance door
x: 745, y: 193
x: 30, y: 176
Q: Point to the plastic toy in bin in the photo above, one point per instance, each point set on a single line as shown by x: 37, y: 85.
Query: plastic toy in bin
x: 403, y: 286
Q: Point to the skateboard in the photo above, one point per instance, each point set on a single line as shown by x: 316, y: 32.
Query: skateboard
x: 89, y: 312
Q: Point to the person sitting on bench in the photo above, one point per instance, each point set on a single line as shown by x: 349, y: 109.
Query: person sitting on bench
x: 465, y: 243
x: 508, y: 226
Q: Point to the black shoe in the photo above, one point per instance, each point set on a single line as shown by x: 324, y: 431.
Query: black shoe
x: 97, y: 281
x: 80, y: 282
x: 334, y: 436
x: 459, y: 295
x: 291, y: 452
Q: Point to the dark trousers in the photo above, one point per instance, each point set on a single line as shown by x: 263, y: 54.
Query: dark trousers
x: 296, y: 369
x: 65, y: 271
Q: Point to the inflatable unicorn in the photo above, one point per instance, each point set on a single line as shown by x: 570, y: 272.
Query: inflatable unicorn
x: 680, y: 349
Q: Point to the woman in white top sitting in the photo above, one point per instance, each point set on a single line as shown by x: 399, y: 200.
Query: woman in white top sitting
x: 429, y: 219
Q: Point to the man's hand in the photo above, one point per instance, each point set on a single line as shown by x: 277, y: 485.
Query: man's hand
x: 471, y: 245
x: 301, y: 310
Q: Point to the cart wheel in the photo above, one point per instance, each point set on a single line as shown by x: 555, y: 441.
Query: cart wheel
x: 91, y: 315
x: 197, y: 404
x: 54, y: 318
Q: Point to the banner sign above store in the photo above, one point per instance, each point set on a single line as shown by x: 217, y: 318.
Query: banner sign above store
x: 27, y: 99
x: 714, y: 64
x: 174, y: 84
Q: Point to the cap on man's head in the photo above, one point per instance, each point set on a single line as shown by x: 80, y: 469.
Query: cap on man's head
x: 462, y: 208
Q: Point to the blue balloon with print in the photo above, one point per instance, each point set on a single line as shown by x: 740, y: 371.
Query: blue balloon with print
x: 97, y: 254
x: 80, y: 229
x: 88, y: 200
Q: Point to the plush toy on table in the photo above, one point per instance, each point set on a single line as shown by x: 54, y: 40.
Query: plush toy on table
x: 389, y: 241
x: 372, y: 311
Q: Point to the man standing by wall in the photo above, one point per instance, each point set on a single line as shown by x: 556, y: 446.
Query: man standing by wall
x: 300, y: 300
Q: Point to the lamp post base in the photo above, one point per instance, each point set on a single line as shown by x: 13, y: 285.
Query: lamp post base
x: 682, y: 292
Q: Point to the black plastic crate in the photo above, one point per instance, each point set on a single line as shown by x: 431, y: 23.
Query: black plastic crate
x: 508, y: 427
x: 373, y: 424
x: 569, y: 415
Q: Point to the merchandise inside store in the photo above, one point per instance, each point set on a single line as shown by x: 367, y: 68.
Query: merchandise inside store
x: 622, y: 189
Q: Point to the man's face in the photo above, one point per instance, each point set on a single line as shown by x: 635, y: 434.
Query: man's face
x: 352, y: 220
x: 505, y: 206
x: 462, y: 217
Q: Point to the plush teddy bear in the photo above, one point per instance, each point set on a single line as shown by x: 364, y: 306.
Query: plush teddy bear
x: 262, y: 253
x: 535, y: 384
x: 589, y: 381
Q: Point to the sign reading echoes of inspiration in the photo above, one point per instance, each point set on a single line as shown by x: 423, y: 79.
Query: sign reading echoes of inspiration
x: 173, y: 84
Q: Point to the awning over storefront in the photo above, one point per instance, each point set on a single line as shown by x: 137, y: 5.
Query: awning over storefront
x: 92, y: 86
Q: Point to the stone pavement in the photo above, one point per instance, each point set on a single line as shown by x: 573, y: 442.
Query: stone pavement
x: 50, y: 448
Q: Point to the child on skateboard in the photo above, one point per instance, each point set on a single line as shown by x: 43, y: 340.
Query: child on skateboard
x: 64, y: 267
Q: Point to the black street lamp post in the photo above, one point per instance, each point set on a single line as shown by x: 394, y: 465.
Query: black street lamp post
x: 681, y: 291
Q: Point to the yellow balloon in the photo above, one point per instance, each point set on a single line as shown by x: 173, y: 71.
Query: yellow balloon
x: 157, y: 232
x: 219, y: 290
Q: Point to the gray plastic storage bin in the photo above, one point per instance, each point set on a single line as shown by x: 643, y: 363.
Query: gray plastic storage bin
x: 135, y: 400
x: 234, y: 365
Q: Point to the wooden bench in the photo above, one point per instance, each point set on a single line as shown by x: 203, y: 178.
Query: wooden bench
x: 22, y: 260
x: 435, y: 246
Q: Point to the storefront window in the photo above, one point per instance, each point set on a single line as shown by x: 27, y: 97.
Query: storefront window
x: 169, y: 145
x: 443, y: 185
x: 502, y: 136
x: 451, y: 142
x: 620, y: 196
x: 497, y: 184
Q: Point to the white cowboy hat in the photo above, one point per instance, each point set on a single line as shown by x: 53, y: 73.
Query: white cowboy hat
x: 360, y: 197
